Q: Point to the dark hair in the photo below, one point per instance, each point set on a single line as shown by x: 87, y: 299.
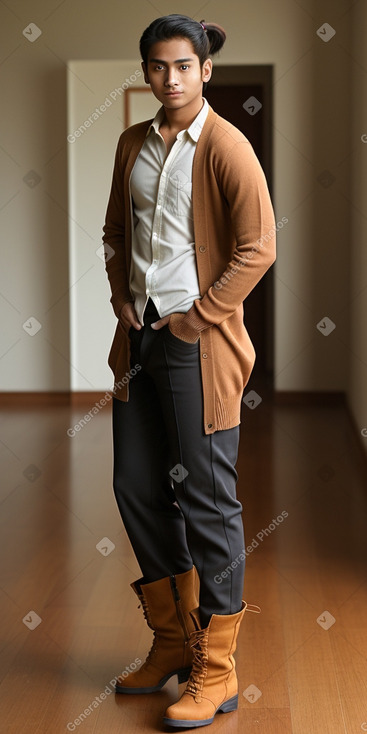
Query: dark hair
x: 206, y: 40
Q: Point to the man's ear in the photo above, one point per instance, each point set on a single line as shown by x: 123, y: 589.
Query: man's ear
x: 146, y: 78
x: 206, y: 71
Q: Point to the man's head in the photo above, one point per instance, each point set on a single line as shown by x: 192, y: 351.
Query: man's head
x: 175, y: 50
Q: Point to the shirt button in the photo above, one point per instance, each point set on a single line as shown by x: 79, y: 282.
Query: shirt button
x: 202, y: 248
x: 204, y: 355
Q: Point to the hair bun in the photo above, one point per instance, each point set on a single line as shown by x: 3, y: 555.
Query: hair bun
x: 216, y: 35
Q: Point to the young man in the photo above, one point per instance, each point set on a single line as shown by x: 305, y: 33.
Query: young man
x: 191, y: 227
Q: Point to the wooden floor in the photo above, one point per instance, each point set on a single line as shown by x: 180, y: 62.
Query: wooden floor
x: 302, y: 663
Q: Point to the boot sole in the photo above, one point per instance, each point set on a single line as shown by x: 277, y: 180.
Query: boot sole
x: 182, y: 675
x: 224, y: 708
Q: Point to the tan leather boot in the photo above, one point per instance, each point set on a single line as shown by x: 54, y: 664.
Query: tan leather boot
x: 212, y: 686
x: 166, y: 606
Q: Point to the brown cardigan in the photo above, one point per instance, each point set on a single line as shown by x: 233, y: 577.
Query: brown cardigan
x: 234, y: 246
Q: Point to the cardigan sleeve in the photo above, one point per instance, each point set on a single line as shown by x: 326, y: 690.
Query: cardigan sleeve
x: 114, y: 237
x: 245, y: 189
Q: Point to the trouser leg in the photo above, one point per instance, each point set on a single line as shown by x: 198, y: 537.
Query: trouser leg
x: 204, y: 481
x: 205, y: 486
x: 142, y: 485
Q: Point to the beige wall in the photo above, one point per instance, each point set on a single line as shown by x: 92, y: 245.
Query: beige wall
x: 90, y: 162
x: 312, y: 278
x: 321, y: 266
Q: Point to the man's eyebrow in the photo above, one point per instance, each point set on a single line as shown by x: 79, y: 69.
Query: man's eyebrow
x: 161, y: 61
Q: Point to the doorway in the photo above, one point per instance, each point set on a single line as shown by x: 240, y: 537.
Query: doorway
x: 229, y: 89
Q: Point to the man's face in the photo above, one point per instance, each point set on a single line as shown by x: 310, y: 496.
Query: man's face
x: 174, y: 74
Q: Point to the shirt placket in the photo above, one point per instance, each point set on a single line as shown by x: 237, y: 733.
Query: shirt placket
x: 164, y: 183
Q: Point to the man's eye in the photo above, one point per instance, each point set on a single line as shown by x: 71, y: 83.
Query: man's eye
x: 186, y: 66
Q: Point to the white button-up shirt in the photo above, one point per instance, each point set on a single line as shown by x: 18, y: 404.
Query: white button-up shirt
x: 163, y: 264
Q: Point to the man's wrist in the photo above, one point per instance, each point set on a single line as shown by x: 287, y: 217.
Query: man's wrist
x: 180, y: 326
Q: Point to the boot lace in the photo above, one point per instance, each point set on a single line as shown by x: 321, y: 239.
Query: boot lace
x: 199, y: 645
x: 199, y: 641
x: 144, y: 605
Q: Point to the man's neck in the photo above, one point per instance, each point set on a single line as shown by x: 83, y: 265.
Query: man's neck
x: 181, y: 119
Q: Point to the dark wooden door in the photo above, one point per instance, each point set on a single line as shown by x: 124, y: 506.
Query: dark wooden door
x: 228, y: 90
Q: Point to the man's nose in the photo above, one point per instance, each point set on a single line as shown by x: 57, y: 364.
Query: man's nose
x: 171, y: 78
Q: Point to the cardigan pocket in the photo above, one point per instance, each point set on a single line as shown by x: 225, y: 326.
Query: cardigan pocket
x: 176, y: 339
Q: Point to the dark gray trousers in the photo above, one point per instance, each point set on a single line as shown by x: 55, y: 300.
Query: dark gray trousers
x: 175, y: 486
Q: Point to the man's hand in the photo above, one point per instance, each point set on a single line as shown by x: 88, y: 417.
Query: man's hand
x: 128, y: 316
x: 161, y: 322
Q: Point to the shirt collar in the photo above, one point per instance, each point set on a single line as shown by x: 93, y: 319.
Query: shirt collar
x: 195, y: 128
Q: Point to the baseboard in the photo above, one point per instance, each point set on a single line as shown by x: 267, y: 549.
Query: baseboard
x: 282, y: 397
x: 39, y: 399
x: 87, y: 398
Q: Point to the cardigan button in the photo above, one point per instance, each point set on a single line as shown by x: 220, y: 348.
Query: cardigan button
x: 210, y: 425
x: 204, y: 355
x: 202, y: 248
